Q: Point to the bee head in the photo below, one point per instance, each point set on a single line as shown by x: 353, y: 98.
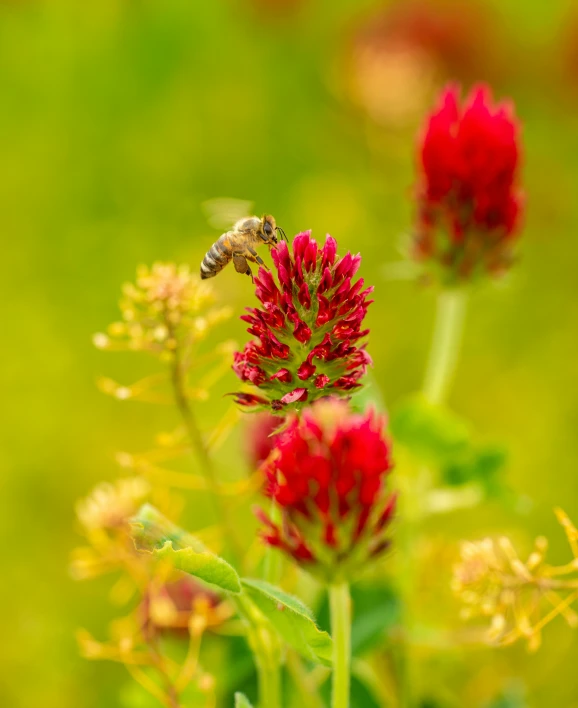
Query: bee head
x: 270, y: 229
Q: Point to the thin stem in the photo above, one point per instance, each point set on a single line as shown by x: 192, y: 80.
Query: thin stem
x: 304, y: 681
x: 198, y: 444
x: 190, y: 422
x: 269, y: 685
x: 144, y: 680
x: 441, y: 366
x: 340, y: 606
x: 266, y: 649
x: 171, y: 695
x: 191, y: 662
x: 443, y: 358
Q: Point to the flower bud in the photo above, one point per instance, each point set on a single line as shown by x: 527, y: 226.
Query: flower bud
x: 469, y: 205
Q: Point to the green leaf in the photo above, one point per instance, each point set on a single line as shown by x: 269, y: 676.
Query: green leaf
x: 292, y: 619
x: 154, y: 533
x: 440, y: 438
x: 204, y: 565
x: 481, y: 464
x: 241, y: 701
x: 430, y: 432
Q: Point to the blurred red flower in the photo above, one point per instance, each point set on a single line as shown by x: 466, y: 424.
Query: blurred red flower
x: 168, y: 607
x: 327, y: 474
x: 401, y: 53
x: 307, y: 330
x: 469, y: 202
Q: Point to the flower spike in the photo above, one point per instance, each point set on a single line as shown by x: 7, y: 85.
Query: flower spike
x: 308, y: 336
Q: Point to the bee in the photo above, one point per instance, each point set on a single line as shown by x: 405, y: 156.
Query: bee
x: 238, y: 245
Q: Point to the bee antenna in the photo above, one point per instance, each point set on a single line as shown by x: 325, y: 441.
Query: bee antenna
x: 282, y: 233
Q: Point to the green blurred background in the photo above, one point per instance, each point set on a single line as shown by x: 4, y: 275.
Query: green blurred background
x: 117, y: 120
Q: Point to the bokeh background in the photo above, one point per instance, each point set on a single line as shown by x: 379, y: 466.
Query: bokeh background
x: 119, y: 118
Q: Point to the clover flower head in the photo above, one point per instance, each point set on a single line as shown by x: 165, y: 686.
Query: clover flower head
x: 327, y: 475
x: 469, y: 202
x: 110, y: 505
x: 520, y: 597
x: 166, y: 304
x: 308, y: 330
x: 177, y: 604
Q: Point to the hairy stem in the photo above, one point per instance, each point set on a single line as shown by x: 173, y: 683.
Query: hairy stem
x: 340, y: 606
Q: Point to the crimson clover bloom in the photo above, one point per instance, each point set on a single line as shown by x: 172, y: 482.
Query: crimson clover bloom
x: 469, y: 203
x: 327, y: 476
x: 307, y: 330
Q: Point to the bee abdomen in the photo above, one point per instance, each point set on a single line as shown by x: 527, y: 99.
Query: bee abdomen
x: 215, y: 259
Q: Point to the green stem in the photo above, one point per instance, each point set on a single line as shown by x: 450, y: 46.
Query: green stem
x: 200, y: 449
x: 443, y: 358
x: 441, y: 366
x: 269, y: 684
x: 304, y: 681
x: 340, y: 606
x: 266, y: 649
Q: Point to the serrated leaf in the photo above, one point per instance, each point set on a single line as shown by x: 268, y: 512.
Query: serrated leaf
x: 204, y: 565
x: 154, y: 533
x: 241, y: 701
x: 292, y: 620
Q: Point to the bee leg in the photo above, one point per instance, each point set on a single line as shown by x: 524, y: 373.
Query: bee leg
x: 241, y: 265
x: 256, y: 257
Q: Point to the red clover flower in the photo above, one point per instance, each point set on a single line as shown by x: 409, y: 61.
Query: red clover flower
x: 469, y: 203
x: 307, y: 330
x: 327, y: 475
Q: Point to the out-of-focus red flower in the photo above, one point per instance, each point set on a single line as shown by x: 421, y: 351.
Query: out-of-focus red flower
x: 400, y: 54
x: 469, y: 201
x: 260, y: 438
x: 328, y: 475
x: 170, y: 606
x: 308, y: 329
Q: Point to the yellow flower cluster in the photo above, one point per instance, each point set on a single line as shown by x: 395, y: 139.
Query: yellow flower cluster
x: 109, y: 505
x: 167, y: 305
x: 520, y: 597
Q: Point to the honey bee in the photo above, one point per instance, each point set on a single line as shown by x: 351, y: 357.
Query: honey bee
x: 239, y: 246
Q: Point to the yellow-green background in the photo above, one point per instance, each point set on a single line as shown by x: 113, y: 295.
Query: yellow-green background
x: 117, y: 119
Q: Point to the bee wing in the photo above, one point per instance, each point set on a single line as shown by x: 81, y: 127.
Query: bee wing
x: 223, y: 212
